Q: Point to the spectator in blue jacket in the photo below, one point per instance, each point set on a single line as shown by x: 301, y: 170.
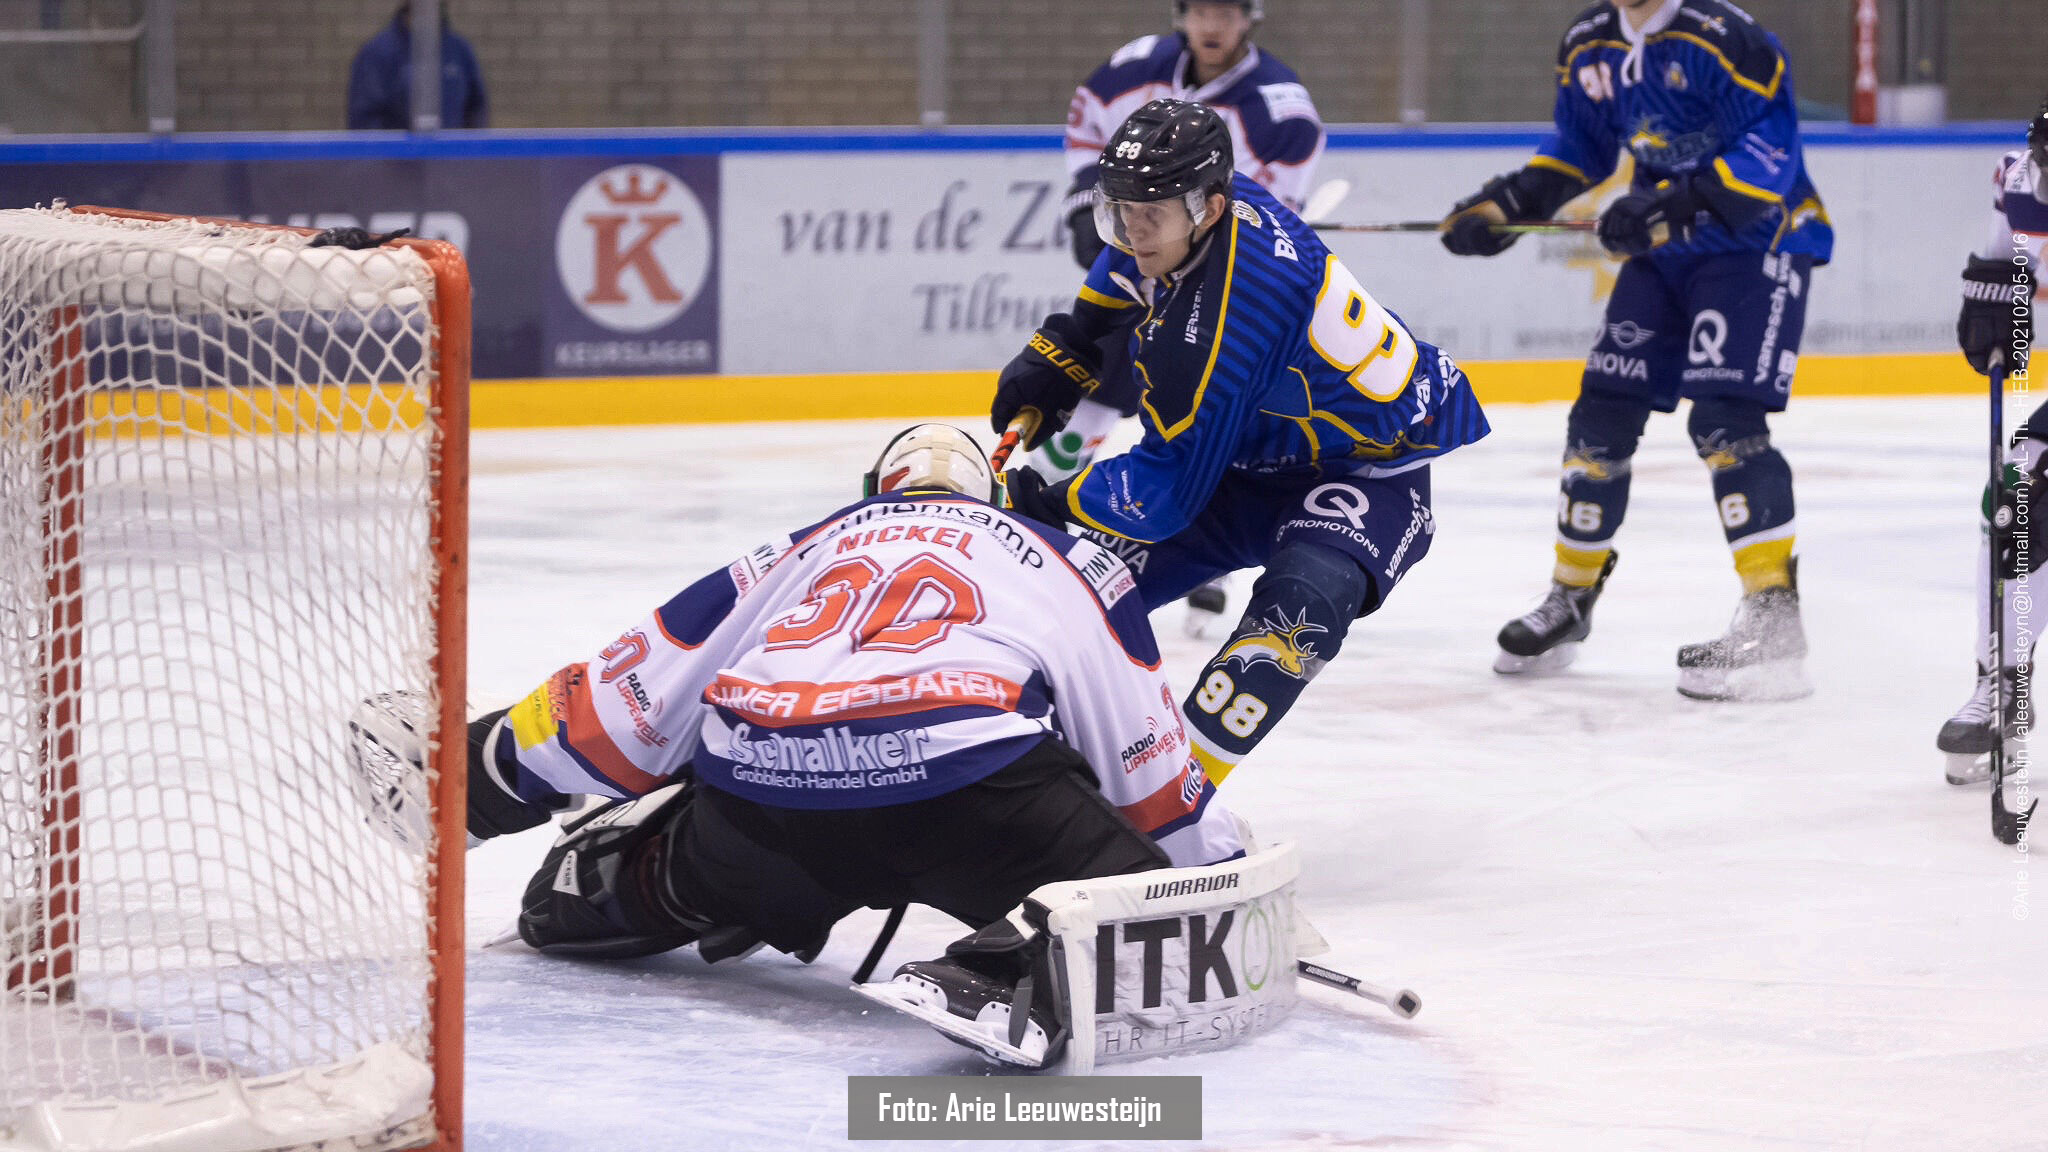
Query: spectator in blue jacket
x: 380, y: 79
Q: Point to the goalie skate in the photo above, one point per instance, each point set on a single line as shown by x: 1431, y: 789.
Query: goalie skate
x: 967, y: 1008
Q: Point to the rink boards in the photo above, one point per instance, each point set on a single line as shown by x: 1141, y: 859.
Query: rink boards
x: 635, y: 278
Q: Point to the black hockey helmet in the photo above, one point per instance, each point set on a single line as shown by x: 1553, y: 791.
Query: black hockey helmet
x: 2037, y: 138
x: 1166, y: 149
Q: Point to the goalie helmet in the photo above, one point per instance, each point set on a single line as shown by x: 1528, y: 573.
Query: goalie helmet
x: 932, y: 456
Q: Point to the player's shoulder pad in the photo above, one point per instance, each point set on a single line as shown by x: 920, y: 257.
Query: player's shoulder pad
x: 1272, y: 70
x: 1141, y: 61
x: 1288, y: 100
x: 1114, y: 586
x: 1593, y: 25
x: 1746, y: 48
x: 2012, y: 171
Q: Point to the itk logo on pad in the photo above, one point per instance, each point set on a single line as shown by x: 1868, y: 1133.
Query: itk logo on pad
x: 633, y: 248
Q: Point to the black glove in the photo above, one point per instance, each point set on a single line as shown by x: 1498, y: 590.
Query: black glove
x: 1642, y: 220
x: 1057, y: 367
x: 1087, y: 241
x: 1520, y: 197
x: 355, y: 239
x: 1991, y: 320
x: 1026, y: 492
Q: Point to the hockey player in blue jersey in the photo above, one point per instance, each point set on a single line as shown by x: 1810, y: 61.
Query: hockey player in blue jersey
x: 1276, y: 139
x: 1996, y: 327
x: 1289, y: 419
x: 1722, y: 230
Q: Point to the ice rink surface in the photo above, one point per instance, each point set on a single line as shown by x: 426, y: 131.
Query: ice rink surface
x: 1636, y: 921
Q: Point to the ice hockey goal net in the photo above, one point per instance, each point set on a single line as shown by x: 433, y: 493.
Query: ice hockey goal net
x: 233, y: 470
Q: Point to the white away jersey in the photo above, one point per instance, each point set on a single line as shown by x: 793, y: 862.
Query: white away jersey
x: 2019, y: 215
x: 908, y: 646
x: 1274, y: 129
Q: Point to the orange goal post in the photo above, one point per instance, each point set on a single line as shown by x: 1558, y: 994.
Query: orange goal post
x: 233, y: 508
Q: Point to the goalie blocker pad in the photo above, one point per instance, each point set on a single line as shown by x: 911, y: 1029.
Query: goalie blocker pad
x: 1152, y: 964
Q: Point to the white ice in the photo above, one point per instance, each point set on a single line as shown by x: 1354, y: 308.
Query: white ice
x: 1636, y: 921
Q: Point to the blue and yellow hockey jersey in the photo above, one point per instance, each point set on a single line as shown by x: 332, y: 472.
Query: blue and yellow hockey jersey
x: 1705, y: 87
x: 1264, y: 355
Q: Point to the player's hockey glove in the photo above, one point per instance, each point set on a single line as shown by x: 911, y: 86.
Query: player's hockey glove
x: 355, y: 239
x: 1057, y: 367
x: 1643, y: 220
x: 1992, y: 318
x: 1520, y: 197
x: 1026, y: 492
x: 1080, y: 206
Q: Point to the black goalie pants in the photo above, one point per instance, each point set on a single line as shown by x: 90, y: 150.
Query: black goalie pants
x: 975, y: 853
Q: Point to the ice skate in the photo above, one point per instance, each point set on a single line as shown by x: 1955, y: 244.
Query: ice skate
x: 1547, y: 638
x: 970, y: 1008
x: 1967, y: 738
x: 1762, y: 656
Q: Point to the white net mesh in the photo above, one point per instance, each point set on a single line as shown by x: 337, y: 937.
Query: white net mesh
x: 216, y: 475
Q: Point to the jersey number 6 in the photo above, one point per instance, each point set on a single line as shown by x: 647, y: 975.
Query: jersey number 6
x: 910, y: 610
x: 1355, y: 334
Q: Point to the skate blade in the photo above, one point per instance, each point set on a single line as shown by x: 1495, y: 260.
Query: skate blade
x: 1967, y: 767
x: 988, y: 1034
x: 1759, y: 683
x: 1556, y: 660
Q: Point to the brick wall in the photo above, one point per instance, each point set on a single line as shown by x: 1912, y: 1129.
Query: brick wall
x: 262, y: 64
x: 1997, y: 58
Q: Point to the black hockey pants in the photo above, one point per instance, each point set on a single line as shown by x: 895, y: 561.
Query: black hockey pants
x: 974, y: 853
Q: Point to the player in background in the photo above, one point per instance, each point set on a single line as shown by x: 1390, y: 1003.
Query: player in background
x: 1999, y: 296
x: 1722, y: 230
x: 1276, y: 136
x: 870, y: 712
x: 1289, y: 419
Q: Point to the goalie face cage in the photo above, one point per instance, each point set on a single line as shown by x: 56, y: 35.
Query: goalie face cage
x: 233, y: 475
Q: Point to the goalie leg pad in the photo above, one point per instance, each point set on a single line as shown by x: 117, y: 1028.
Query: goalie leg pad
x: 1119, y: 967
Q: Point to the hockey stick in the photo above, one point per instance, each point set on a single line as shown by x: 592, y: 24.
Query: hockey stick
x: 1401, y: 1002
x: 1539, y: 228
x: 1324, y: 200
x: 2006, y: 826
x: 1022, y: 427
x: 881, y: 944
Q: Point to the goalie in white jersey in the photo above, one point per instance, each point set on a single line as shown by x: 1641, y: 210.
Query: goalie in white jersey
x: 923, y: 698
